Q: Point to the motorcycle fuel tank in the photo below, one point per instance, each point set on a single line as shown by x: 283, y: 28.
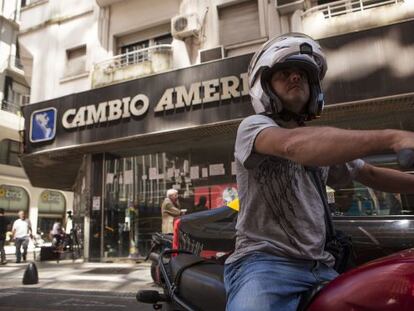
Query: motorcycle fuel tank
x: 386, y: 284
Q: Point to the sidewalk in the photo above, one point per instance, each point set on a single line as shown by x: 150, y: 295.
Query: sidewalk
x: 81, y: 276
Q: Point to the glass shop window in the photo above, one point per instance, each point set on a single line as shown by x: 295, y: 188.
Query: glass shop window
x: 359, y: 200
x: 51, y: 209
x: 202, y: 172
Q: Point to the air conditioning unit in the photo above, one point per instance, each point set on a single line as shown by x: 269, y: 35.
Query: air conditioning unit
x: 183, y: 26
x: 207, y: 55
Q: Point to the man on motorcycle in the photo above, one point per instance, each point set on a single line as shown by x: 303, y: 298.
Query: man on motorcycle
x: 281, y: 230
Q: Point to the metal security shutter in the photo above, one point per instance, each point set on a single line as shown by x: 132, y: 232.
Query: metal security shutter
x: 239, y: 22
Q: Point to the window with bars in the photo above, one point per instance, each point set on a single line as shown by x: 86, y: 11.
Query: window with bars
x: 133, y: 58
x: 9, y: 152
x: 15, y: 96
x: 131, y: 46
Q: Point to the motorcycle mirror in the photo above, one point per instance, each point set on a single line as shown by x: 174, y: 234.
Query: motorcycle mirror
x: 406, y: 158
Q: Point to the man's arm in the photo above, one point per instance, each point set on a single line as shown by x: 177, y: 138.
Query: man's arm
x: 13, y: 230
x: 171, y: 210
x: 326, y: 146
x: 385, y: 179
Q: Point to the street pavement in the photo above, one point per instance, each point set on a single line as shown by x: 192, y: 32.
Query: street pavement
x: 38, y: 299
x: 77, y: 285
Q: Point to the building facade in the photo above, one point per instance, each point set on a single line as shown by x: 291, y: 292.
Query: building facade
x: 131, y: 98
x: 42, y: 205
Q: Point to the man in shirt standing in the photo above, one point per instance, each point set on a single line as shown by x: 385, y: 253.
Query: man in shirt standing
x: 22, y: 231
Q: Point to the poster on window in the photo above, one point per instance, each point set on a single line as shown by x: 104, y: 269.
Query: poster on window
x: 216, y: 195
x: 200, y: 192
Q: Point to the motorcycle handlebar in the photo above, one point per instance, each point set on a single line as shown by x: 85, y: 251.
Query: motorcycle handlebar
x: 406, y: 158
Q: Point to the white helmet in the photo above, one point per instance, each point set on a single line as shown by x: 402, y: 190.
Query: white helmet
x: 292, y: 49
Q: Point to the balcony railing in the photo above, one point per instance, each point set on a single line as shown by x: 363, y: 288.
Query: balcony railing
x: 133, y: 64
x: 342, y: 7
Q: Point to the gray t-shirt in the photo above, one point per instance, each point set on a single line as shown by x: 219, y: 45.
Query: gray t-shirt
x: 281, y: 211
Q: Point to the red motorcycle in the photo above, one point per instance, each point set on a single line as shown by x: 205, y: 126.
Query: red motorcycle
x: 192, y: 282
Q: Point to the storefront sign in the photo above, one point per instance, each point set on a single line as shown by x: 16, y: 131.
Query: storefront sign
x: 43, y: 125
x: 51, y: 202
x: 172, y: 99
x: 13, y: 198
x: 212, y: 90
x: 51, y: 197
x: 189, y: 97
x: 106, y: 111
x: 11, y: 193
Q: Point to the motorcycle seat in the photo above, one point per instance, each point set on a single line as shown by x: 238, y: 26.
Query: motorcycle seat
x: 200, y: 282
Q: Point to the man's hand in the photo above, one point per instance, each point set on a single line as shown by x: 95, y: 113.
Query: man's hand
x: 403, y: 140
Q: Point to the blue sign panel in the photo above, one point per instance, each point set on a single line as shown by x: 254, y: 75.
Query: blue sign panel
x: 43, y: 125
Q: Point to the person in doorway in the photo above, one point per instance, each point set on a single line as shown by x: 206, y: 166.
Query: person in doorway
x: 280, y: 239
x: 22, y: 232
x: 3, y: 232
x: 170, y: 209
x: 57, y: 235
x: 69, y: 222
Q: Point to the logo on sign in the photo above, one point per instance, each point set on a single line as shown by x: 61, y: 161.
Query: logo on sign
x: 43, y: 125
x: 10, y: 194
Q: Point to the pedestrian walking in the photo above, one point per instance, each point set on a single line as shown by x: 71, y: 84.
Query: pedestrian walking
x: 3, y: 231
x: 22, y: 232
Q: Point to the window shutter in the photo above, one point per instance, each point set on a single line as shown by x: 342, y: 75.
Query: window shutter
x: 76, y: 61
x: 239, y: 22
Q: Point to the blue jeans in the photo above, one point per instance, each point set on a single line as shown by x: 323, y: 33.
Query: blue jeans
x: 19, y: 242
x: 264, y: 282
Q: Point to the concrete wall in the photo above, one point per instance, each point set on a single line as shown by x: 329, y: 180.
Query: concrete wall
x: 9, y: 11
x: 68, y: 24
x: 72, y: 23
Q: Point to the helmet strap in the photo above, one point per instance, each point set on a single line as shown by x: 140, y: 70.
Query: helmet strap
x: 287, y: 115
